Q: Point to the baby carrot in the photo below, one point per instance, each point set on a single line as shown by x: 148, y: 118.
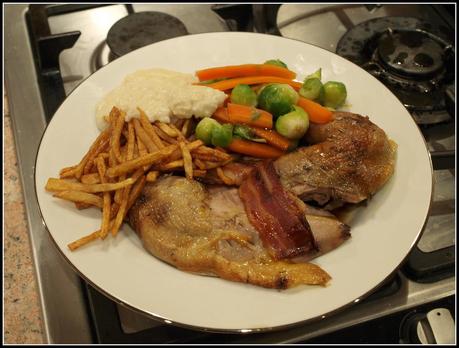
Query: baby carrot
x: 317, y: 113
x: 251, y: 148
x: 252, y: 80
x: 231, y: 71
x: 242, y: 114
x: 273, y: 138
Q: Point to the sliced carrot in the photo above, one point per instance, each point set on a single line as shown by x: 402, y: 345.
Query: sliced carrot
x: 251, y: 148
x: 273, y: 138
x: 252, y: 80
x: 221, y: 114
x: 231, y: 71
x: 243, y: 114
x: 317, y: 113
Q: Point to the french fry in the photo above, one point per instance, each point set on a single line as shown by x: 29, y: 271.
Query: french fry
x: 139, y: 172
x: 194, y: 145
x: 144, y: 137
x: 149, y: 129
x: 199, y: 173
x: 92, y: 178
x: 80, y: 197
x: 118, y: 193
x: 200, y: 164
x: 106, y: 208
x: 207, y: 157
x: 68, y: 172
x: 121, y: 211
x: 226, y: 180
x: 84, y: 240
x: 123, y: 153
x: 141, y: 161
x: 186, y: 127
x: 117, y: 129
x: 136, y: 191
x: 54, y: 184
x: 127, y: 155
x: 191, y: 146
x: 152, y: 176
x: 136, y: 148
x: 212, y: 165
x: 166, y: 129
x: 171, y: 165
x: 141, y: 145
x: 112, y: 161
x: 211, y: 153
x: 96, y: 147
x: 114, y: 210
x: 82, y: 206
x: 187, y: 161
x: 180, y: 136
x: 164, y: 136
x: 130, y: 141
x: 88, y: 167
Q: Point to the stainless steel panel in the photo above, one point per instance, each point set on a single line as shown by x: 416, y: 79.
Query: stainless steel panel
x: 64, y: 313
x: 410, y: 295
x: 323, y: 25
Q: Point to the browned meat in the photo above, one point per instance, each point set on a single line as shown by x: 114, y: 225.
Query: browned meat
x: 206, y: 230
x: 349, y: 160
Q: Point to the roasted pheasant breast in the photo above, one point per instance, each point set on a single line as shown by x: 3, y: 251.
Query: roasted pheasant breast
x: 277, y: 217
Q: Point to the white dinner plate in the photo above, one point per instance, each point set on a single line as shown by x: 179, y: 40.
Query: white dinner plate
x: 382, y: 233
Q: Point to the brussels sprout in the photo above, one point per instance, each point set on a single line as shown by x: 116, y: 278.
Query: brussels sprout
x: 294, y: 124
x: 244, y: 95
x: 277, y: 98
x: 222, y: 135
x: 334, y: 94
x: 245, y: 132
x: 259, y: 88
x: 204, y: 129
x: 277, y: 62
x: 311, y: 89
x: 315, y: 75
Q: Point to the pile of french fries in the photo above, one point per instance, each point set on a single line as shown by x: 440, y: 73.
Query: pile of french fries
x: 123, y: 158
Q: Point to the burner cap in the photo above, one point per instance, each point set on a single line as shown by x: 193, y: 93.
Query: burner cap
x: 410, y: 52
x: 142, y: 28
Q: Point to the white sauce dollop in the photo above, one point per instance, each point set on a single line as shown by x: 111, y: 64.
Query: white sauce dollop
x: 161, y: 94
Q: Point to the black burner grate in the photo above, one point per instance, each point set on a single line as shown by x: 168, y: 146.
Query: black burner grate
x: 411, y: 57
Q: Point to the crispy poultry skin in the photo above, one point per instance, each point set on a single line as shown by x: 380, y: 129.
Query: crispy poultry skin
x: 349, y: 160
x: 205, y: 230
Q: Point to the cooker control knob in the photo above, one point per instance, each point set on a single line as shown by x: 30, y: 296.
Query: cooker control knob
x: 435, y: 327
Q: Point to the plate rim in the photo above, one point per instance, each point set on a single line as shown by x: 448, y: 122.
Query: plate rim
x: 244, y: 331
